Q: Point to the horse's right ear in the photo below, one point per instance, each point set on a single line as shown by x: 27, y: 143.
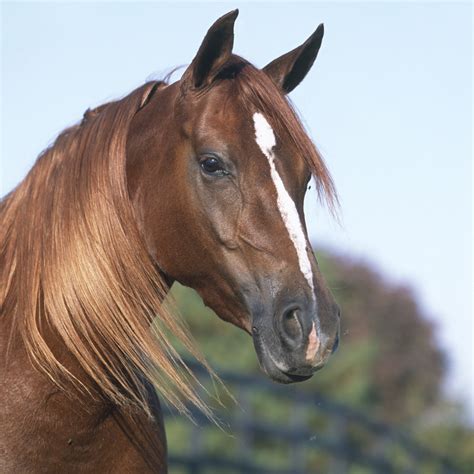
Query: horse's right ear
x: 215, y: 50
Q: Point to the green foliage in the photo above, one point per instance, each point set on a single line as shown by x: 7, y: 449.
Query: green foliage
x: 406, y: 367
x: 445, y: 430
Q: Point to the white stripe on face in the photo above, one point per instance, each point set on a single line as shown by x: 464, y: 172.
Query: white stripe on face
x: 266, y: 141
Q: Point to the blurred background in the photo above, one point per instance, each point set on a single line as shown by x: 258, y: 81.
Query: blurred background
x: 389, y: 104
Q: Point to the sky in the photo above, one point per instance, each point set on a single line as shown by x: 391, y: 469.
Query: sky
x: 388, y: 103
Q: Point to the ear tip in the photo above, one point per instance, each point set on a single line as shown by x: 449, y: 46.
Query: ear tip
x: 317, y: 36
x: 226, y: 21
x: 232, y: 15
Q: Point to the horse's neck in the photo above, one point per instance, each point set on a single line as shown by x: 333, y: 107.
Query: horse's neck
x: 16, y: 358
x: 133, y: 441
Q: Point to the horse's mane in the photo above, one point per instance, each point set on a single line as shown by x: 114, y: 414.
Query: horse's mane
x: 73, y: 264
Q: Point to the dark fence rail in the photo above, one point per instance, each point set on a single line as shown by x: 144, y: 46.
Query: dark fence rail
x: 314, y: 435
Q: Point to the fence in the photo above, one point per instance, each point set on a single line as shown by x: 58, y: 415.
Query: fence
x: 281, y: 430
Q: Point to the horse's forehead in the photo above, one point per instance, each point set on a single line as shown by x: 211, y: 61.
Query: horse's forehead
x: 225, y: 117
x: 223, y: 110
x: 226, y: 121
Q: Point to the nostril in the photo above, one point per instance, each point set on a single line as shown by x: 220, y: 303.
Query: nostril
x: 292, y: 325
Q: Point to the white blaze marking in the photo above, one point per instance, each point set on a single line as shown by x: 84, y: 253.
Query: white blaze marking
x: 313, y: 344
x: 266, y: 141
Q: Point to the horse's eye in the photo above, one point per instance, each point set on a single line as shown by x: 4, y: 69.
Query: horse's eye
x: 212, y: 166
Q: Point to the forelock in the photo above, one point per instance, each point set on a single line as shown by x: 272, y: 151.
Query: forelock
x: 258, y: 93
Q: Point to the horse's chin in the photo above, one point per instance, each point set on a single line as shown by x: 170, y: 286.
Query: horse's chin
x: 279, y: 376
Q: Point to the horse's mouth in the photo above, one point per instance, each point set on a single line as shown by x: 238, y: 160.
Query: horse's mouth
x: 285, y: 377
x: 277, y: 371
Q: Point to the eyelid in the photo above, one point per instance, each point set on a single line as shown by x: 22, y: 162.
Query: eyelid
x: 205, y: 155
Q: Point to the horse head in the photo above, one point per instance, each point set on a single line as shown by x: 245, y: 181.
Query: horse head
x: 217, y: 167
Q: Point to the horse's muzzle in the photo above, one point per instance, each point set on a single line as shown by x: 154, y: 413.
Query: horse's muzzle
x: 296, y: 342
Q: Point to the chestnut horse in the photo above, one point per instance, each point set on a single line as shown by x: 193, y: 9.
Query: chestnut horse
x: 201, y: 181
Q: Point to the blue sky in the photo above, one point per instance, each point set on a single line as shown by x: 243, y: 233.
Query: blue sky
x: 388, y: 102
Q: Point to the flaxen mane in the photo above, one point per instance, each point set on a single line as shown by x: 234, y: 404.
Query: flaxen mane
x: 72, y: 261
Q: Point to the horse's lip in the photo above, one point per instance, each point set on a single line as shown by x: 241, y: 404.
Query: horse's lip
x: 272, y: 368
x: 282, y: 376
x: 298, y: 378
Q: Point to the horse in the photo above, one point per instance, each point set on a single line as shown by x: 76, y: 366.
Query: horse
x: 200, y: 181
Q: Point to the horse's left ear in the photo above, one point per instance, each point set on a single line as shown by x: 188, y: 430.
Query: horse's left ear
x: 289, y: 70
x: 215, y: 50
